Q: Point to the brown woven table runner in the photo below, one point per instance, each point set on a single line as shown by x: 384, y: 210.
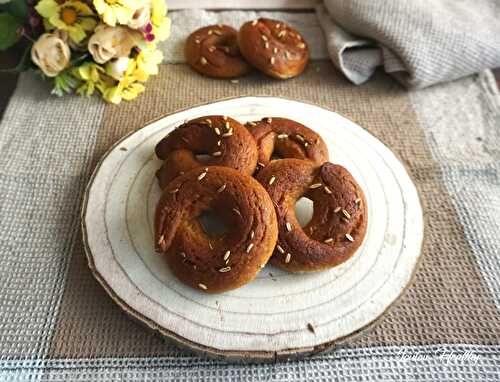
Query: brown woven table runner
x: 448, y: 301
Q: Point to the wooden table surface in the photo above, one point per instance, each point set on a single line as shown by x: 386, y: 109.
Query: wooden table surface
x: 9, y: 81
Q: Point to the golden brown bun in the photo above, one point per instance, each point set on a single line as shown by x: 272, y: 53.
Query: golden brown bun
x: 203, y: 261
x: 290, y: 140
x: 339, y: 220
x: 264, y: 138
x: 225, y: 140
x: 273, y: 47
x: 213, y: 51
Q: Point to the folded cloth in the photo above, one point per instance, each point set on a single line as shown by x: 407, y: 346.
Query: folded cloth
x: 419, y: 42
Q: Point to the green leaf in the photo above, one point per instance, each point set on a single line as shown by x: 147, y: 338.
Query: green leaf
x: 64, y: 83
x: 17, y: 8
x: 75, y: 61
x: 9, y: 35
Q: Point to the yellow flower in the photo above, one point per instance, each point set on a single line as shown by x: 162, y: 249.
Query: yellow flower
x: 72, y: 16
x: 127, y: 88
x: 116, y: 11
x: 147, y: 62
x: 161, y: 23
x: 90, y: 75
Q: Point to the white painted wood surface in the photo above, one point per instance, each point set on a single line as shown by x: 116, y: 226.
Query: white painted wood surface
x: 241, y: 4
x: 271, y: 314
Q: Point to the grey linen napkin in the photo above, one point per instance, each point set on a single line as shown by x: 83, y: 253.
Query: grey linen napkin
x: 419, y: 42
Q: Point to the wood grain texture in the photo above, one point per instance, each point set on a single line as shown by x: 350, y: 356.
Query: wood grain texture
x: 270, y: 317
x: 242, y: 4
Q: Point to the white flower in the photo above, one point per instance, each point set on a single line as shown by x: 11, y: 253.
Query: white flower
x: 112, y: 42
x: 141, y: 16
x: 51, y: 53
x: 116, y: 68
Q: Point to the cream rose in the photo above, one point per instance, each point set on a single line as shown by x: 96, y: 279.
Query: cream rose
x: 111, y: 42
x: 51, y: 53
x: 141, y: 16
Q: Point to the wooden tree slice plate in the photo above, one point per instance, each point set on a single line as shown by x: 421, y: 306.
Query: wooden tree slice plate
x: 278, y: 315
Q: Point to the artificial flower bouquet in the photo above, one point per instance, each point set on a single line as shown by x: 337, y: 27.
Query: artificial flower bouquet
x: 88, y: 46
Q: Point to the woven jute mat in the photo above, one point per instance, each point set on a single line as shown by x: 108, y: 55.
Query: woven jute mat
x: 449, y: 301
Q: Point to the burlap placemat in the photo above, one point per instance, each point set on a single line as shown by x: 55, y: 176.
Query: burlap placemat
x: 452, y: 305
x: 449, y: 296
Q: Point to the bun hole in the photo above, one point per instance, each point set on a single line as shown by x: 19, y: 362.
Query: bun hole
x: 213, y: 224
x: 304, y: 211
x: 203, y: 158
